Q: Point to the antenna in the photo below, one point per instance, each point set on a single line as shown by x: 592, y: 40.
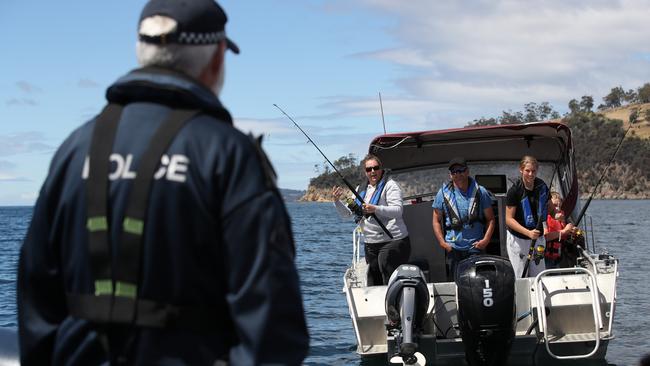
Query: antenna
x: 381, y: 105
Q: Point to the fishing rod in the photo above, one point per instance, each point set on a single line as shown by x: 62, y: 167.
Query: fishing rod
x: 337, y: 171
x: 381, y: 105
x: 584, y: 209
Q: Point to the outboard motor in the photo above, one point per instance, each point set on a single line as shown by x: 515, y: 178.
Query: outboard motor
x: 486, y: 309
x: 407, y: 302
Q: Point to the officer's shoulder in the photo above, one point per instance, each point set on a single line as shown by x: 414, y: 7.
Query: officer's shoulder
x: 228, y: 136
x: 79, y: 138
x: 269, y: 173
x: 235, y: 141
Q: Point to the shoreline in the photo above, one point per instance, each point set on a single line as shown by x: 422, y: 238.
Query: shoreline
x: 581, y: 198
x: 323, y: 195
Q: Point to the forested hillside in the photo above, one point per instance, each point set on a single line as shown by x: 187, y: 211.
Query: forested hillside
x: 595, y: 137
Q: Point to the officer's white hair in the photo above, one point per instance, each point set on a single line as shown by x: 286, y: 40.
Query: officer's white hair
x: 188, y: 59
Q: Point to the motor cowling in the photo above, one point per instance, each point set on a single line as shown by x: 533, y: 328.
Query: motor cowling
x: 486, y: 308
x: 407, y: 302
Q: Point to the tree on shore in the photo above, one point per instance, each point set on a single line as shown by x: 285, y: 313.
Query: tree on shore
x: 533, y: 112
x: 347, y: 165
x: 643, y: 94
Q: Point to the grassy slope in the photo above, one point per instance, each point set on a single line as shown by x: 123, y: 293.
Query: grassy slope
x: 641, y: 128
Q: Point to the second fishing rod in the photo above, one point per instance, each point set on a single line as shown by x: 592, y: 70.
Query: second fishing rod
x: 350, y: 187
x: 604, y: 173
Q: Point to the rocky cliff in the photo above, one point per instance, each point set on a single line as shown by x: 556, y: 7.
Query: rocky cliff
x: 314, y: 194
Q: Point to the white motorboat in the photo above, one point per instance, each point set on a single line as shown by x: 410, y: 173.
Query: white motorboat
x: 562, y: 314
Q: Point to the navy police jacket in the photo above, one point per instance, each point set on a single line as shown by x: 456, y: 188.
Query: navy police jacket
x: 216, y: 234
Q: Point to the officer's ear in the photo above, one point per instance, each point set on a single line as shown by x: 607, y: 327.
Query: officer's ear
x: 218, y: 58
x: 210, y: 73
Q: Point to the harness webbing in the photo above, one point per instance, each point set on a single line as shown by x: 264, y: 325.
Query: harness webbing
x: 376, y: 195
x: 530, y: 220
x: 452, y: 214
x: 148, y: 313
x: 115, y: 299
x: 97, y: 191
x: 127, y: 266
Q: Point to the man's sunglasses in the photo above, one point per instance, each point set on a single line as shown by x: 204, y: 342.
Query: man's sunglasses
x: 371, y: 168
x: 458, y: 170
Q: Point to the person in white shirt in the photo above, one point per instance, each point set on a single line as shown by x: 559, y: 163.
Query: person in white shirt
x: 382, y: 197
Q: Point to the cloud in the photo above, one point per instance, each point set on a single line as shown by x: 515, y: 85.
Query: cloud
x: 11, y: 178
x: 27, y: 87
x: 400, y: 56
x: 6, y: 172
x: 87, y: 83
x: 502, y: 54
x: 6, y: 165
x: 23, y: 143
x: 21, y: 102
x: 263, y: 126
x: 29, y: 197
x: 18, y: 198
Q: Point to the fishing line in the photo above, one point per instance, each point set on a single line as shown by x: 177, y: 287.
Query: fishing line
x: 337, y: 171
x: 593, y: 192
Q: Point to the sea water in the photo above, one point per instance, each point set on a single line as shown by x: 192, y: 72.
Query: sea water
x: 324, y: 251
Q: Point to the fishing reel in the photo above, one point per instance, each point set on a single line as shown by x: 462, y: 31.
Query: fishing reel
x: 576, y: 239
x: 538, y: 253
x: 355, y: 208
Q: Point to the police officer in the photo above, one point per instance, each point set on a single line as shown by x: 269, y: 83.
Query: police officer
x: 159, y: 236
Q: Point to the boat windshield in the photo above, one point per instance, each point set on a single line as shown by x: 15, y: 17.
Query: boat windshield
x: 423, y: 184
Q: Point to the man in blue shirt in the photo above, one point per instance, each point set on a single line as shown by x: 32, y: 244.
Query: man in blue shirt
x: 462, y: 211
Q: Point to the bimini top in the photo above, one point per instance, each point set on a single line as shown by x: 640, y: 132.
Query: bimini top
x: 546, y: 141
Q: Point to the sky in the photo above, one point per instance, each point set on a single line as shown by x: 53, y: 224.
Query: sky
x: 437, y: 64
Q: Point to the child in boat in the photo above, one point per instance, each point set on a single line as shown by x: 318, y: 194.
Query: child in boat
x: 557, y: 231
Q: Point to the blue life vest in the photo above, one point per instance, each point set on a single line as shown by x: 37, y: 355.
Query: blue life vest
x: 376, y: 195
x: 452, y: 214
x: 542, y: 197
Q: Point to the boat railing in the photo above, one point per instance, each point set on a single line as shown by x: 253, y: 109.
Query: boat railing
x: 357, y: 235
x: 593, y: 290
x: 588, y: 230
x: 594, y: 263
x: 352, y: 277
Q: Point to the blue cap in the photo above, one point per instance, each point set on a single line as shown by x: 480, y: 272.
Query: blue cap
x: 199, y: 22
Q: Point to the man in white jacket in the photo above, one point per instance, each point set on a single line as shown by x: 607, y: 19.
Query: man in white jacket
x: 382, y: 197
